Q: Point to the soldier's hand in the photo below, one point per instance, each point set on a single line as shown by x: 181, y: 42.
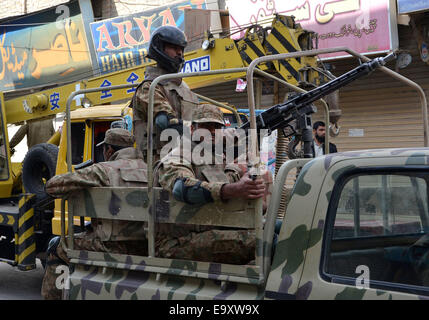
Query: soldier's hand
x: 245, y: 188
x: 252, y: 188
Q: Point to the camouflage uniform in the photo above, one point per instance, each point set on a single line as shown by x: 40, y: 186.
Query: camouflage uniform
x: 125, y: 168
x: 171, y: 96
x: 198, y: 242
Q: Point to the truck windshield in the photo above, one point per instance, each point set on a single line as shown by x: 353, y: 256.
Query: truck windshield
x: 78, y: 141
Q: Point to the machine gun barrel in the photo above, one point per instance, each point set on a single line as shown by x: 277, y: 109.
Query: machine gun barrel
x: 280, y: 115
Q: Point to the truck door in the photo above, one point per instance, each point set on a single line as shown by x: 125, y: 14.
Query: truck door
x: 375, y: 242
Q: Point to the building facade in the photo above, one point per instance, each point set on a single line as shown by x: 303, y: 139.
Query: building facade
x: 103, y: 9
x: 11, y: 8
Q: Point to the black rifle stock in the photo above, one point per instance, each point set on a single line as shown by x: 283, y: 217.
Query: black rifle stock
x: 300, y: 107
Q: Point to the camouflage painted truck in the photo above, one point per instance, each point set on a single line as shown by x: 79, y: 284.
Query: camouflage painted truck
x: 355, y: 227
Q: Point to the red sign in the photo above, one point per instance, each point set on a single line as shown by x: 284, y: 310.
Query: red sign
x: 362, y: 25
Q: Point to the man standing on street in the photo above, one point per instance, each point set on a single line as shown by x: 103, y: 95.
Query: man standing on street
x: 319, y: 131
x: 37, y: 131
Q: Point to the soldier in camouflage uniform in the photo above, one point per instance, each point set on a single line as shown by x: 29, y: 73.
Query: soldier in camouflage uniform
x: 124, y: 168
x: 173, y: 100
x: 197, y: 184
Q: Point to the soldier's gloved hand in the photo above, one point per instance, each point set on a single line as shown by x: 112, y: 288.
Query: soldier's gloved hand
x: 176, y: 125
x: 161, y: 120
x: 12, y: 151
x: 191, y: 194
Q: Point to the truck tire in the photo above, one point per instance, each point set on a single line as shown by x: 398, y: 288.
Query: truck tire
x: 38, y: 167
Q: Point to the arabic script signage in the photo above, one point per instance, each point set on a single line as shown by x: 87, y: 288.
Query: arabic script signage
x: 44, y: 48
x: 409, y: 6
x: 122, y: 42
x: 362, y: 25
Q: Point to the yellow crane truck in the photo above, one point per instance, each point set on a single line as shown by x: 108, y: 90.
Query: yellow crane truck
x: 27, y: 216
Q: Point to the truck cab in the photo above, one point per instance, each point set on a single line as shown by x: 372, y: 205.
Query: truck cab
x: 356, y: 227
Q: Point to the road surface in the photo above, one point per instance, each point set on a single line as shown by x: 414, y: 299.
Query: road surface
x: 20, y: 285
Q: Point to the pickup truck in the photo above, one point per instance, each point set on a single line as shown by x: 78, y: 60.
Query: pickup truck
x: 356, y: 227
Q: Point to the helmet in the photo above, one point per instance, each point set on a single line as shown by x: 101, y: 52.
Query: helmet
x: 207, y: 113
x: 171, y: 35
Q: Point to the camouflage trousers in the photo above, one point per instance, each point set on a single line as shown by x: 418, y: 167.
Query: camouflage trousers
x: 221, y: 246
x: 84, y: 241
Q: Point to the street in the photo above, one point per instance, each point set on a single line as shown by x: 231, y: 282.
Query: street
x: 20, y: 285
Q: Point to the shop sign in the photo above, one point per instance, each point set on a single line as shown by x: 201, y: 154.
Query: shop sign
x: 122, y: 42
x: 47, y: 47
x: 364, y: 26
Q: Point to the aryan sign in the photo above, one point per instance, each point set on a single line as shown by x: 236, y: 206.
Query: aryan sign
x: 122, y: 42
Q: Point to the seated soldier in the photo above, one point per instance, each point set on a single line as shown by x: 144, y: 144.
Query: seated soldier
x: 124, y: 167
x: 198, y: 184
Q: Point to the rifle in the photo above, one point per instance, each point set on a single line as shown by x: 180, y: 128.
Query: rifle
x: 296, y: 112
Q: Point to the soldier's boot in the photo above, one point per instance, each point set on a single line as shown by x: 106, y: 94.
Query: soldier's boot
x: 50, y: 286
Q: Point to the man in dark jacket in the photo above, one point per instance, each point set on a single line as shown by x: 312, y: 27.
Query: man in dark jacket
x: 319, y: 131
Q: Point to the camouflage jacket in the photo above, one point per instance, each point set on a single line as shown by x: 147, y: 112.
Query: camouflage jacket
x: 38, y: 131
x: 124, y: 169
x: 171, y: 96
x: 211, y: 175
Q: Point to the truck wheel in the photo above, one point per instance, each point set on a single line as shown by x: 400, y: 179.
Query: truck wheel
x: 38, y: 167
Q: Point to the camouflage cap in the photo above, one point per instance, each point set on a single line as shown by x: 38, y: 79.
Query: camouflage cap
x: 207, y: 113
x: 118, y: 137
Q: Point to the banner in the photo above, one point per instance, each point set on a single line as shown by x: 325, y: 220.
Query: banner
x: 362, y: 25
x: 122, y: 42
x: 44, y: 48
